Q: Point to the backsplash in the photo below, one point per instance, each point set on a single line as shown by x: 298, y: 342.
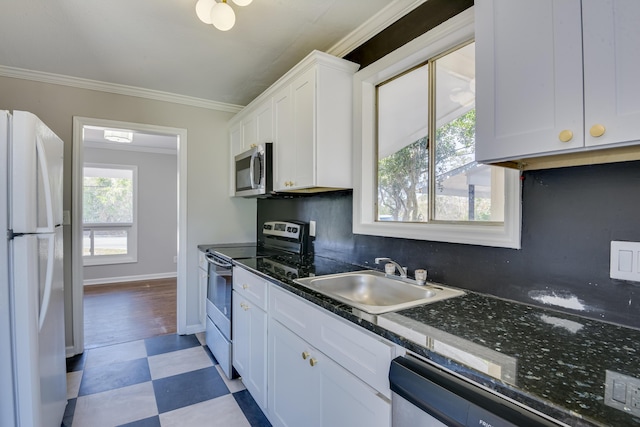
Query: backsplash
x: 569, y: 217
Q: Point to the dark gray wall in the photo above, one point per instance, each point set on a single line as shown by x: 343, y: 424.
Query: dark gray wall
x: 569, y: 217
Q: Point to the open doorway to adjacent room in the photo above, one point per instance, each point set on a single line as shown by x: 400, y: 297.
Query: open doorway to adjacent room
x: 126, y: 263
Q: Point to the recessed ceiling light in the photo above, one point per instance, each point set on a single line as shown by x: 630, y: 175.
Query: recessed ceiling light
x: 118, y: 136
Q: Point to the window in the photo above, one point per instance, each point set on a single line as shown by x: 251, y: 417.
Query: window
x: 453, y: 187
x: 109, y: 214
x: 416, y: 175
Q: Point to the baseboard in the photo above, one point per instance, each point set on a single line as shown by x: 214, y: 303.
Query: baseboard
x: 107, y: 280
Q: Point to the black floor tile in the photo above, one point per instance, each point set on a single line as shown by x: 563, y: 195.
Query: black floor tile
x: 69, y: 410
x: 211, y: 356
x: 251, y: 410
x: 115, y: 375
x: 167, y: 343
x: 187, y: 389
x: 76, y: 363
x: 147, y: 422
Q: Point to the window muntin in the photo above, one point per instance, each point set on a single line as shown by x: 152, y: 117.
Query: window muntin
x: 109, y: 226
x: 419, y: 181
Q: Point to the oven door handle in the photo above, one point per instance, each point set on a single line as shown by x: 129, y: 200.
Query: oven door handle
x: 217, y: 262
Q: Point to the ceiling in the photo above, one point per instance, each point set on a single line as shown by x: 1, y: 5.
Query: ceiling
x: 93, y: 137
x: 161, y: 45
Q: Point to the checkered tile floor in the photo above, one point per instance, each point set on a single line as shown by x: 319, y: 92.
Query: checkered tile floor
x: 170, y: 380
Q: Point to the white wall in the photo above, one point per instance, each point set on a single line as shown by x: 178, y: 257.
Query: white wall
x: 212, y: 216
x: 157, y: 215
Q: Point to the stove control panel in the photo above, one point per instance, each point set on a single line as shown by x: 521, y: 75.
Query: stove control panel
x: 289, y: 230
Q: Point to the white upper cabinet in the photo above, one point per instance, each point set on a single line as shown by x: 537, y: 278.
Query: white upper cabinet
x: 532, y: 99
x: 307, y: 114
x: 611, y: 62
x: 313, y: 125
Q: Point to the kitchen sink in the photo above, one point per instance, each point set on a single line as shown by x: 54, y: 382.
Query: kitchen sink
x: 376, y: 293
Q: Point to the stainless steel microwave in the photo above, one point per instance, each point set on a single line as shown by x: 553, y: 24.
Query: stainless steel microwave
x: 254, y: 171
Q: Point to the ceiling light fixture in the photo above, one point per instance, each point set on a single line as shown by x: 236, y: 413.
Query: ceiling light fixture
x: 221, y: 15
x: 118, y: 136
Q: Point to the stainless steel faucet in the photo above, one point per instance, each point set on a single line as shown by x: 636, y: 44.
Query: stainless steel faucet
x: 401, y: 270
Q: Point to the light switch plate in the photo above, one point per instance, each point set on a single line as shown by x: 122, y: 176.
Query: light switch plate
x: 625, y: 261
x: 622, y: 392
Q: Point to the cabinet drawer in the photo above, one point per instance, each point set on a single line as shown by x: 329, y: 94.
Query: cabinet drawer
x: 292, y: 312
x: 250, y: 286
x: 365, y: 355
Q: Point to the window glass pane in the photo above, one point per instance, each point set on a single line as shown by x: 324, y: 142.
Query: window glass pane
x: 107, y: 196
x: 86, y: 243
x: 110, y: 242
x: 403, y: 119
x: 465, y: 190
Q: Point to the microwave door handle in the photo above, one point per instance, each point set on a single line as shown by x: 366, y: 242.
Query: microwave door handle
x: 252, y: 171
x: 222, y: 264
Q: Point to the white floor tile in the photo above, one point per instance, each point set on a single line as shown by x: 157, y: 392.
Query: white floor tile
x: 222, y: 411
x: 201, y: 338
x: 178, y: 362
x: 73, y: 384
x: 115, y: 353
x: 115, y: 407
x: 233, y: 385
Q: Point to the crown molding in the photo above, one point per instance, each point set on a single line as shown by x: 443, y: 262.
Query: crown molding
x: 77, y: 82
x: 395, y: 10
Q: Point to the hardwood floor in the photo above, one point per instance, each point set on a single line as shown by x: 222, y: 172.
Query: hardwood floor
x: 121, y: 312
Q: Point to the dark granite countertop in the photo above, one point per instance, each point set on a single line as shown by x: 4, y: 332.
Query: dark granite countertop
x: 552, y: 362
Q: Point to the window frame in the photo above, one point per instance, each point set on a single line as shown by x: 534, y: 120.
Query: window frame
x: 454, y: 32
x: 132, y: 228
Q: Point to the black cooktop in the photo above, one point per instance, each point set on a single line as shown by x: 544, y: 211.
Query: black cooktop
x: 245, y: 251
x: 235, y: 252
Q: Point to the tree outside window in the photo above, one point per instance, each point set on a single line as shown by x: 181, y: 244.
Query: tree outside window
x: 423, y: 179
x: 108, y: 211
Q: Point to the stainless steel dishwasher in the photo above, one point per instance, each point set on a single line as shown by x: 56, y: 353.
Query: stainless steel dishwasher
x: 426, y: 395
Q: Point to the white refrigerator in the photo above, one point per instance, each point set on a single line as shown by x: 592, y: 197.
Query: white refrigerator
x: 32, y: 342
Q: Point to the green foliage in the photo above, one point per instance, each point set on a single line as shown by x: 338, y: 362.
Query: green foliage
x: 404, y: 174
x: 107, y: 200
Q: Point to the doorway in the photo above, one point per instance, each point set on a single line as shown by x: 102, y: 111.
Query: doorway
x: 107, y: 249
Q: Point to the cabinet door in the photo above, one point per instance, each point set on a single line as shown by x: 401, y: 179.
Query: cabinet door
x: 529, y: 77
x: 264, y: 123
x: 250, y: 347
x: 293, y: 383
x: 240, y: 339
x: 347, y: 401
x: 283, y: 144
x: 250, y: 131
x: 303, y: 93
x: 203, y: 278
x: 611, y: 62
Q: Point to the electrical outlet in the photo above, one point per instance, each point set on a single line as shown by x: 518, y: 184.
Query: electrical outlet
x: 175, y: 259
x: 622, y: 392
x: 625, y: 261
x: 312, y: 228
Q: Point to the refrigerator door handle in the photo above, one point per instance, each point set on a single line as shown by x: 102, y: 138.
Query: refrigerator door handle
x: 44, y: 170
x: 48, y: 281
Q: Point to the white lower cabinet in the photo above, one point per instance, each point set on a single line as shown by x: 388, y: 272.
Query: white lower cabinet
x: 250, y: 333
x: 249, y: 344
x: 307, y: 388
x: 303, y: 365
